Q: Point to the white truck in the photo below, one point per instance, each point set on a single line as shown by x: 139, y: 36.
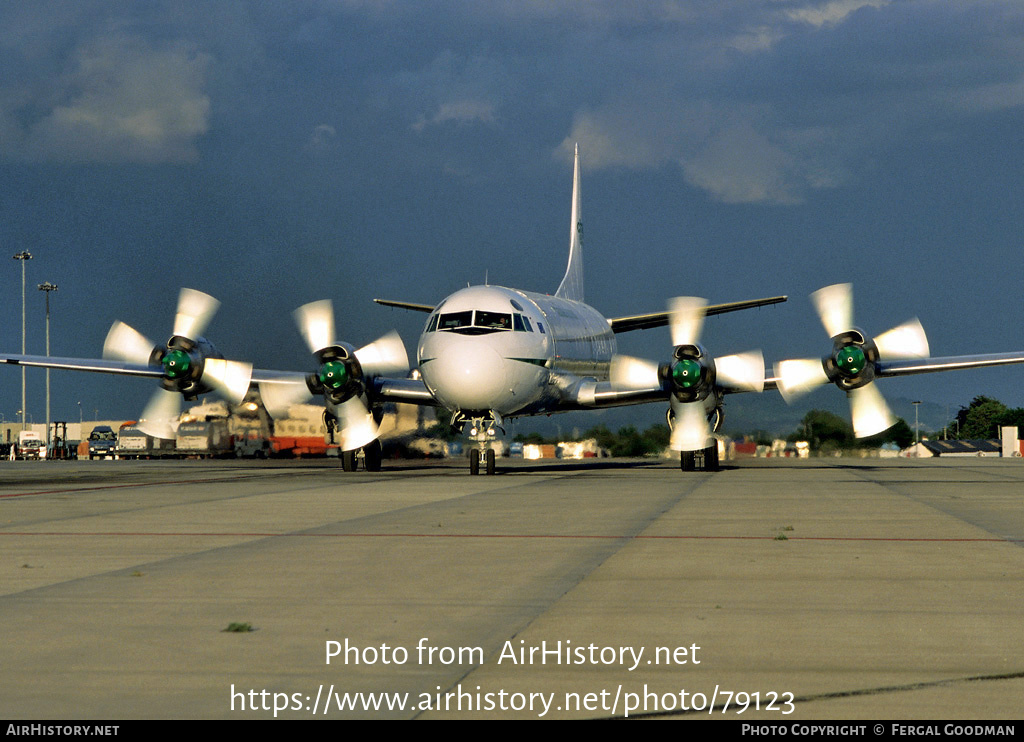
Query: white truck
x: 30, y: 445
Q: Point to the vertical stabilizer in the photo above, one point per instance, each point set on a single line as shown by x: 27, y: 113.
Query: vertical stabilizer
x: 572, y: 284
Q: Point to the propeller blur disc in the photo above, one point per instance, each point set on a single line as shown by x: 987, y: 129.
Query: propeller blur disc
x: 231, y: 378
x: 903, y: 342
x: 834, y: 305
x: 160, y: 418
x: 356, y: 427
x: 742, y: 371
x: 686, y: 317
x: 690, y: 429
x: 316, y: 322
x: 279, y: 396
x: 798, y: 376
x: 127, y: 344
x: 195, y: 310
x: 633, y: 373
x: 384, y: 356
x: 869, y: 411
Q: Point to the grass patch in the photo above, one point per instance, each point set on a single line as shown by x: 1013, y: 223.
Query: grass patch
x: 237, y: 627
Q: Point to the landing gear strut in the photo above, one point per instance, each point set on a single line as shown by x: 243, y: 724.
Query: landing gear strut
x: 706, y: 459
x: 483, y: 431
x: 373, y: 453
x: 372, y: 457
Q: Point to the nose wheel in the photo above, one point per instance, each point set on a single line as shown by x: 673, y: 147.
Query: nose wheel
x: 483, y: 431
x: 481, y: 457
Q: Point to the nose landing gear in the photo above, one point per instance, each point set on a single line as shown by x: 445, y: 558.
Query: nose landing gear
x: 483, y: 432
x: 475, y: 457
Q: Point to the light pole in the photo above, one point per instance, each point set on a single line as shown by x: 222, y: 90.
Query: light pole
x: 23, y: 256
x: 917, y: 429
x: 46, y: 288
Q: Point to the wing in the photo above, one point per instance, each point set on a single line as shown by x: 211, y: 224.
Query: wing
x: 84, y: 364
x: 857, y: 360
x: 660, y: 319
x: 406, y: 305
x: 279, y: 389
x: 947, y: 363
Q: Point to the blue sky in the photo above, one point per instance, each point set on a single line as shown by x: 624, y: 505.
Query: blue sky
x: 272, y: 154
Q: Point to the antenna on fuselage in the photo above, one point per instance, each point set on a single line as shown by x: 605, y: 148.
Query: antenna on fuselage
x: 572, y: 283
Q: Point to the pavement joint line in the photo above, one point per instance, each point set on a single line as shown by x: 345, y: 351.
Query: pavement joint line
x: 624, y: 541
x: 553, y: 536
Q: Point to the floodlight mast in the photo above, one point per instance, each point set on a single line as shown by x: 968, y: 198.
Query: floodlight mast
x: 46, y: 288
x: 23, y: 256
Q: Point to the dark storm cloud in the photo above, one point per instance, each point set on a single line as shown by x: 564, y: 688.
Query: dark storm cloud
x: 276, y: 153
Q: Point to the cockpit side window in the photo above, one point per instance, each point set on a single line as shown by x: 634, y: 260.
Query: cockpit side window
x: 432, y: 323
x: 521, y: 323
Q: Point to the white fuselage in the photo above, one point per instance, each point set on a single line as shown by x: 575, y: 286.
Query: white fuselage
x: 489, y: 349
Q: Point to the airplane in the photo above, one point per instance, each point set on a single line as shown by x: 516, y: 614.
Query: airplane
x: 491, y: 353
x: 488, y: 354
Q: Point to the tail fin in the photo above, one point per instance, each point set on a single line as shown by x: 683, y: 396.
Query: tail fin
x: 572, y: 284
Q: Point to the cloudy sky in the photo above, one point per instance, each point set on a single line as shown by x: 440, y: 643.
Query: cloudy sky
x: 275, y: 153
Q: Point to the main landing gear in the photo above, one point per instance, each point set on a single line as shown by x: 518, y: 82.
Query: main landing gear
x: 706, y: 459
x: 372, y: 457
x: 373, y: 453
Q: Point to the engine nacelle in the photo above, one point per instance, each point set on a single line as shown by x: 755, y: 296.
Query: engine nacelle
x: 691, y: 376
x: 183, y: 361
x: 340, y: 377
x: 851, y: 364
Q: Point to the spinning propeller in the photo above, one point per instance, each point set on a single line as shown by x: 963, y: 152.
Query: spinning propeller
x: 341, y: 378
x: 851, y: 365
x: 191, y: 365
x: 694, y: 378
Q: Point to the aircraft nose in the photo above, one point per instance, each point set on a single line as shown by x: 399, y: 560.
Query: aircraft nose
x: 468, y: 376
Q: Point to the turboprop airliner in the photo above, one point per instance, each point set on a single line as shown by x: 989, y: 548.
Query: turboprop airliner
x: 488, y: 354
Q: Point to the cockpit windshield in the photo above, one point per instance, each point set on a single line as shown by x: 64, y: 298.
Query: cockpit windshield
x: 493, y: 320
x: 455, y: 320
x: 478, y: 322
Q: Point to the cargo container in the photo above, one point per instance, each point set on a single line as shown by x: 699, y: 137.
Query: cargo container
x: 207, y: 438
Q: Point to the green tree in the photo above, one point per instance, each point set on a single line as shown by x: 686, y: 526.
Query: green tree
x: 604, y: 437
x: 824, y: 431
x: 656, y: 438
x: 981, y: 418
x: 901, y: 434
x: 536, y: 438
